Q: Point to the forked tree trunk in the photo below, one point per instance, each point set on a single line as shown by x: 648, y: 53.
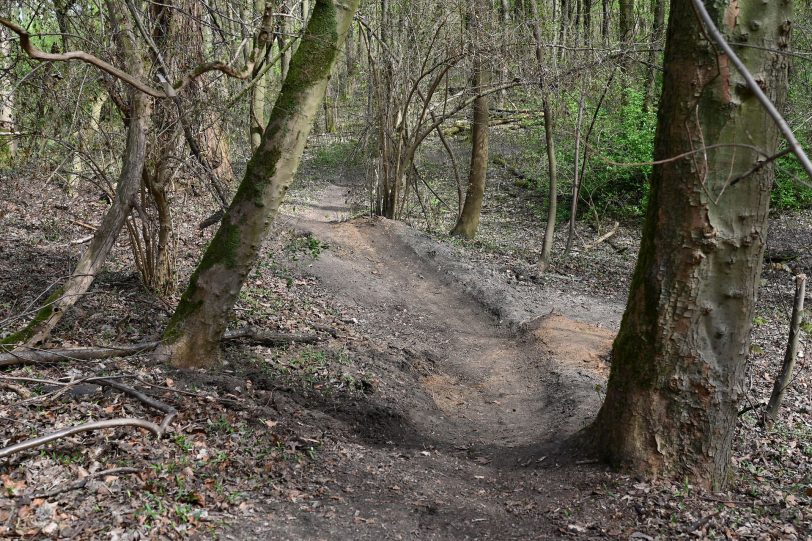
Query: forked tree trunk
x: 678, y: 361
x: 192, y: 335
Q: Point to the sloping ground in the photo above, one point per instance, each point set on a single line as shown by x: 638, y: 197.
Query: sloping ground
x: 494, y: 386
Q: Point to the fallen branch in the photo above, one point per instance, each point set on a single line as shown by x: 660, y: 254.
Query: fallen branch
x: 603, y: 237
x: 76, y: 485
x: 32, y: 356
x: 73, y: 430
x: 19, y: 389
x: 146, y: 399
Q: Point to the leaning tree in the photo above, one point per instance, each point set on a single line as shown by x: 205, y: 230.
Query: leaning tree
x: 193, y: 334
x: 678, y: 362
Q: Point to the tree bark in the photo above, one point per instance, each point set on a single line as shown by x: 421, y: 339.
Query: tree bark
x: 656, y: 33
x: 91, y: 262
x: 785, y: 377
x: 192, y: 335
x: 8, y: 145
x: 678, y: 361
x: 552, y: 194
x: 626, y: 20
x: 468, y: 221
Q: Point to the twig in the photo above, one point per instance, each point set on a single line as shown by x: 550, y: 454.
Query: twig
x: 73, y: 430
x: 78, y: 484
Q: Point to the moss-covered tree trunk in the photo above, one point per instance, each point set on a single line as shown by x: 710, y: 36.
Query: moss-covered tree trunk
x: 678, y: 361
x: 192, y: 335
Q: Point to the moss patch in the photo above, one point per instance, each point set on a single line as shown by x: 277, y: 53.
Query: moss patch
x: 42, y: 315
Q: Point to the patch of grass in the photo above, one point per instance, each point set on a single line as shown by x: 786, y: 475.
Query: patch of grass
x: 305, y: 244
x: 336, y: 154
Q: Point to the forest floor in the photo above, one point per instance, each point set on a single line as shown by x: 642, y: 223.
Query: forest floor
x: 440, y: 401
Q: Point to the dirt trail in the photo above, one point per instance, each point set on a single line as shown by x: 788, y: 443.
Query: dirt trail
x: 493, y: 387
x: 502, y: 381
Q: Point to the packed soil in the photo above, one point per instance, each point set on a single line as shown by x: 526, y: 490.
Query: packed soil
x: 447, y: 393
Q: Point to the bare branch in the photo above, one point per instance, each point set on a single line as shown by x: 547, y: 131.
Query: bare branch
x: 73, y: 430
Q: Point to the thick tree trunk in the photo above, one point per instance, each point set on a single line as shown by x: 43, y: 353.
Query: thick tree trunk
x: 678, y: 361
x: 192, y: 335
x: 626, y: 20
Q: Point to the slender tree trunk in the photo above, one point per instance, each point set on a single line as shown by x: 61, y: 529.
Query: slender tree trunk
x: 784, y: 379
x: 605, y: 20
x: 8, y: 145
x: 285, y: 30
x: 194, y: 331
x: 552, y: 194
x: 257, y: 115
x: 576, y: 180
x: 468, y: 221
x: 129, y: 182
x: 678, y: 361
x: 656, y: 35
x: 549, y: 139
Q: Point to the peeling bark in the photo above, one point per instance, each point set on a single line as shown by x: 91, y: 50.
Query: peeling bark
x: 678, y: 361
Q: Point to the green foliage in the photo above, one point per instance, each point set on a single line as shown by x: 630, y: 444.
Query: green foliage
x: 788, y: 193
x: 625, y: 135
x: 340, y: 153
x: 306, y: 244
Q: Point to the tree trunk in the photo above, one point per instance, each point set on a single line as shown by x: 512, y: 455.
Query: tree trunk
x: 192, y: 335
x: 552, y: 169
x: 626, y: 20
x: 263, y: 43
x: 129, y: 182
x: 784, y: 379
x: 656, y: 33
x: 8, y: 145
x: 549, y: 139
x: 468, y: 221
x: 678, y: 361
